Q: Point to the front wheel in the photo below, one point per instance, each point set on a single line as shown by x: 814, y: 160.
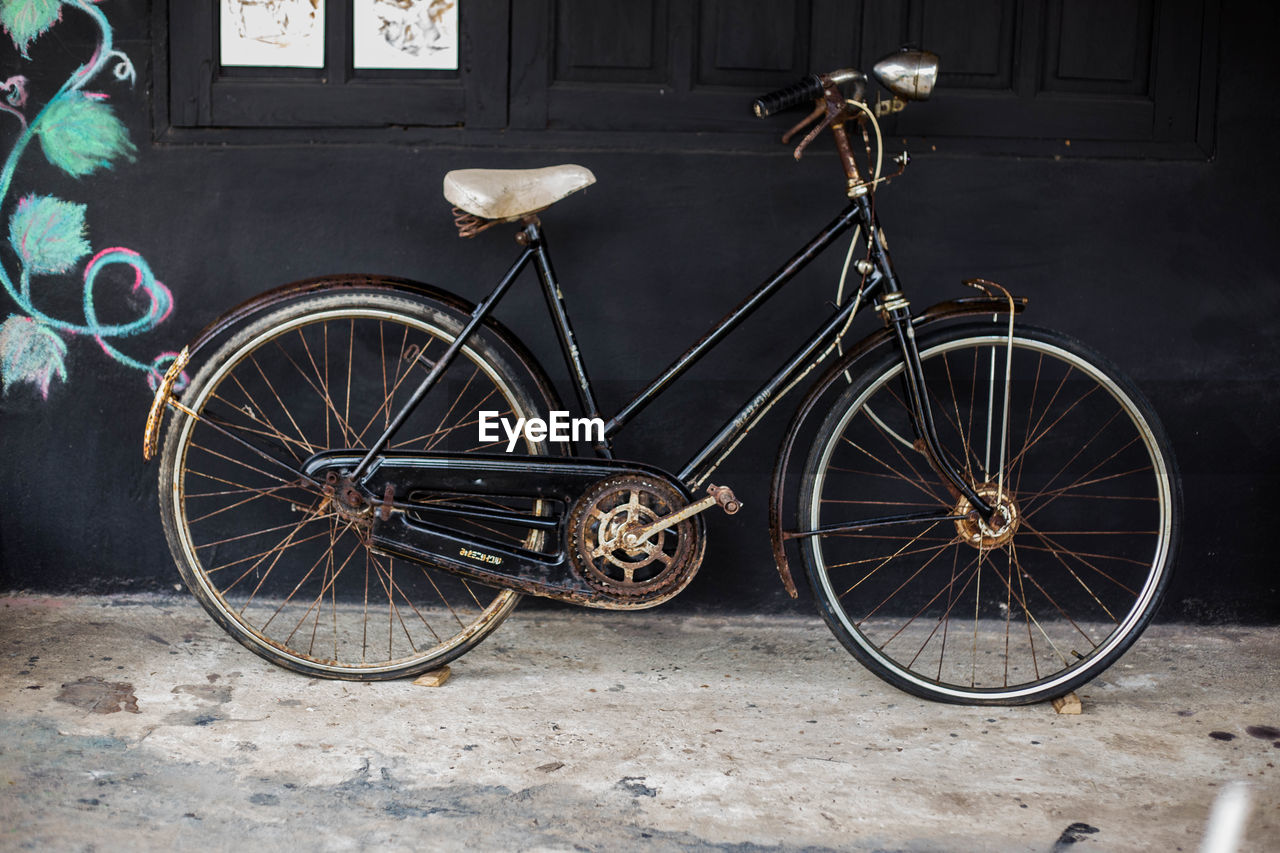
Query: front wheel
x: 1047, y: 593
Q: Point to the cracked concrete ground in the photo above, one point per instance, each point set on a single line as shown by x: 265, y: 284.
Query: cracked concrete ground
x: 135, y: 723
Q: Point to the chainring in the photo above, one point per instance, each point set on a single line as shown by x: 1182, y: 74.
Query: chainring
x: 598, y: 521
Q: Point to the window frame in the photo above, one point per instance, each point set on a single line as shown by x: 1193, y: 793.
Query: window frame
x: 201, y: 94
x: 504, y: 95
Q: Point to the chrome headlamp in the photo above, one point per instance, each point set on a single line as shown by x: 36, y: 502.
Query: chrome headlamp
x: 908, y: 74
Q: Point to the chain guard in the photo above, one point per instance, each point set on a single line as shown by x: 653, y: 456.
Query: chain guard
x: 660, y: 566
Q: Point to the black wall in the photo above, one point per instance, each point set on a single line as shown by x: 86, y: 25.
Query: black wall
x: 1167, y: 266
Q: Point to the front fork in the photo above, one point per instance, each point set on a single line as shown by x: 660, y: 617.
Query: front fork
x: 895, y: 310
x: 898, y: 316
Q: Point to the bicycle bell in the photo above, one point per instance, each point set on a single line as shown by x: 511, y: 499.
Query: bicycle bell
x: 909, y: 74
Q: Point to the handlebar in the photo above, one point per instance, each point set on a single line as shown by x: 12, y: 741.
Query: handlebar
x: 908, y: 74
x: 807, y: 89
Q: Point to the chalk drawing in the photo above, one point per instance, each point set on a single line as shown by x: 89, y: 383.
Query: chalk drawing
x: 79, y: 133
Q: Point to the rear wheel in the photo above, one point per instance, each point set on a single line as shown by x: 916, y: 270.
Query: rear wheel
x: 1043, y: 596
x: 287, y: 569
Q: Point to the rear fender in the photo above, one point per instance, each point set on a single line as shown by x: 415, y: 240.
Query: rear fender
x: 251, y: 309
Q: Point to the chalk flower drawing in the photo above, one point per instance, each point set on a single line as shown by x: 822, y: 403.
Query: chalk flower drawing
x: 80, y: 134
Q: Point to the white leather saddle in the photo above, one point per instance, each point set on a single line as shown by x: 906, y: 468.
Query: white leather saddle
x: 505, y: 194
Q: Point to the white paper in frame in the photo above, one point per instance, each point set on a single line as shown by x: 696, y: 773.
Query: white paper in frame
x: 276, y: 33
x: 414, y: 34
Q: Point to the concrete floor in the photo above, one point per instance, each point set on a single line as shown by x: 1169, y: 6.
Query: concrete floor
x: 593, y: 731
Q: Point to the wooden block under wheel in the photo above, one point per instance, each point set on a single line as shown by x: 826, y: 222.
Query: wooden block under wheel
x: 1069, y: 704
x: 437, y: 677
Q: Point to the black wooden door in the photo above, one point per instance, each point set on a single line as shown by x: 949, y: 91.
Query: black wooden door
x: 1126, y: 77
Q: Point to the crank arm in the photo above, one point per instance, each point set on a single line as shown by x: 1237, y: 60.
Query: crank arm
x: 721, y: 495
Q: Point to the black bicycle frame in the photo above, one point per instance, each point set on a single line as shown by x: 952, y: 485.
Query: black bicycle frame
x: 880, y: 282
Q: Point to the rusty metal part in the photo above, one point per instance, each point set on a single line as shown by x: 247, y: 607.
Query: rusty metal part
x: 838, y: 107
x: 804, y: 122
x: 721, y: 496
x: 893, y: 105
x: 836, y: 110
x: 469, y: 225
x: 151, y: 435
x: 993, y: 533
x: 529, y: 230
x: 969, y: 306
x: 725, y: 497
x: 347, y: 499
x: 607, y: 550
x: 850, y: 165
x: 388, y: 500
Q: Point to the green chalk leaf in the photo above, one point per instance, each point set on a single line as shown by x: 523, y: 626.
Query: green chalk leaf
x: 81, y: 134
x: 30, y: 352
x: 25, y: 20
x: 48, y: 234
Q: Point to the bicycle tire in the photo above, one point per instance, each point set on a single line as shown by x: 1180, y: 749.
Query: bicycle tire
x: 1077, y: 562
x: 273, y: 562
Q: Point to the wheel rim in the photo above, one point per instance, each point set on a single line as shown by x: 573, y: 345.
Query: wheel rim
x: 290, y: 571
x: 958, y: 612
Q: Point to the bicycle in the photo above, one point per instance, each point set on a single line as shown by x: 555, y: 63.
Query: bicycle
x: 986, y: 512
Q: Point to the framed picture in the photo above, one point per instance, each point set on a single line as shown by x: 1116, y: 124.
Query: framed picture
x: 410, y: 34
x: 274, y: 33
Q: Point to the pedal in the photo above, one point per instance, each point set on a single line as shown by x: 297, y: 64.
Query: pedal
x: 723, y: 495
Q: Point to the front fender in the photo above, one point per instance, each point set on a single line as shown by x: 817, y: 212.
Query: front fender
x: 954, y: 309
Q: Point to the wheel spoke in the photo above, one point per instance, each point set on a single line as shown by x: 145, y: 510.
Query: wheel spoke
x: 880, y: 565
x: 254, y: 361
x: 1013, y: 607
x: 290, y: 570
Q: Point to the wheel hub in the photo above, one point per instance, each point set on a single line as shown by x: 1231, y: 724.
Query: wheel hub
x: 987, y: 534
x: 345, y: 497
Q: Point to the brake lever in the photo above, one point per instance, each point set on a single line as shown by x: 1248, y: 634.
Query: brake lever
x: 833, y: 104
x: 817, y: 111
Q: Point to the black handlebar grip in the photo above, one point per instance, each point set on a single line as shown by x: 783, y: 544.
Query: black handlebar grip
x: 807, y: 89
